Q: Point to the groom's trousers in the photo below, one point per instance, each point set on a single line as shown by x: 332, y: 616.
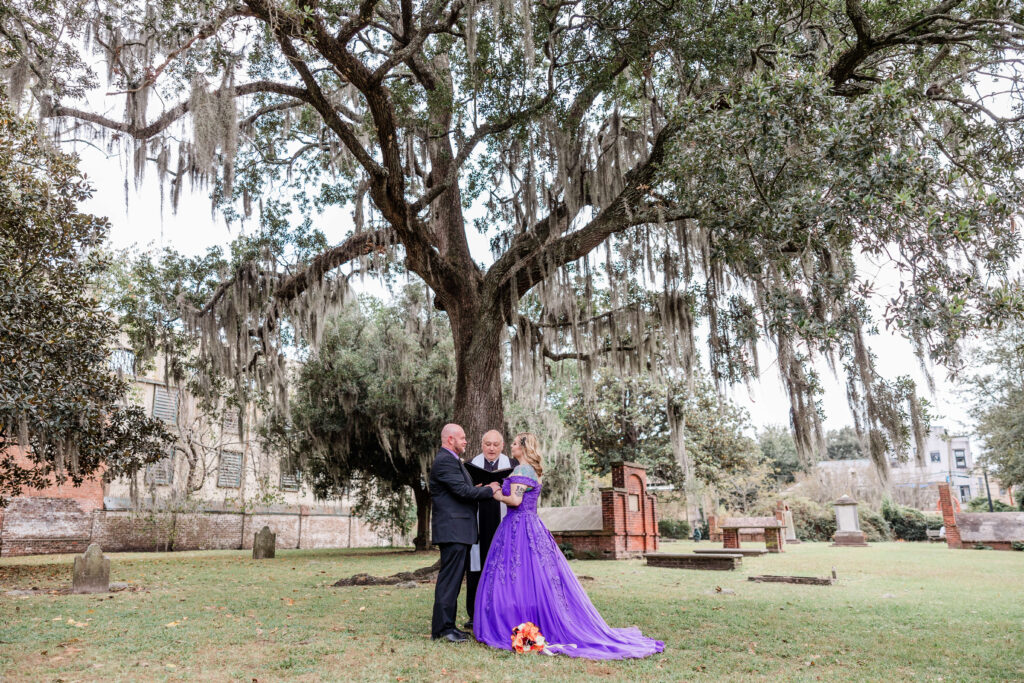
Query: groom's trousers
x: 449, y: 583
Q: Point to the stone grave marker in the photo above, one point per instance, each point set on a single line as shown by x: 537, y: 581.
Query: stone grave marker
x: 92, y: 572
x: 264, y: 543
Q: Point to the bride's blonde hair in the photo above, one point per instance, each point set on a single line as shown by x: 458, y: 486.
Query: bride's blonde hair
x: 531, y: 451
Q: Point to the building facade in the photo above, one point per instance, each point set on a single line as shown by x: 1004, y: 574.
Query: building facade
x: 215, y: 488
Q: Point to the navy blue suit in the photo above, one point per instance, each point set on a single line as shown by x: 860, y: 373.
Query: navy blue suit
x: 453, y: 525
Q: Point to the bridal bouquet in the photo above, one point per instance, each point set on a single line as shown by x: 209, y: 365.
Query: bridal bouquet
x: 527, y: 638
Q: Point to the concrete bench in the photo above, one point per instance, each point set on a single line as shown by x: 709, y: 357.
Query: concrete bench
x: 715, y: 561
x: 934, y: 535
x: 745, y: 552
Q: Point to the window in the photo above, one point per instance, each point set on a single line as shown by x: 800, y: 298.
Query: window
x: 231, y: 422
x: 634, y: 503
x: 161, y: 472
x: 229, y: 472
x: 289, y: 482
x: 961, y: 458
x: 935, y: 456
x: 165, y: 404
x: 122, y: 361
x: 965, y: 494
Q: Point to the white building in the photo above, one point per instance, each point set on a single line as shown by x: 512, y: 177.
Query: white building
x: 947, y: 459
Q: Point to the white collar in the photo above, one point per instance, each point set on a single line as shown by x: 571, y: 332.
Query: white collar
x: 503, y: 462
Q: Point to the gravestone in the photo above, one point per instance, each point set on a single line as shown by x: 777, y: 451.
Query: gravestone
x: 264, y: 544
x: 92, y: 572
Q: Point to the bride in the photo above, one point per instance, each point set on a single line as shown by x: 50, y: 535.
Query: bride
x: 527, y: 579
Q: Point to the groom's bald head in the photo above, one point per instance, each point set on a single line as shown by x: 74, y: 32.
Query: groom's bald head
x: 453, y: 437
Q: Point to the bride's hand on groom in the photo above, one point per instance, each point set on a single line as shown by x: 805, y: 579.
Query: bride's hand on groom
x: 495, y: 487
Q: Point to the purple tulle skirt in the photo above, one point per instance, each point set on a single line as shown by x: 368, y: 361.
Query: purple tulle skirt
x: 526, y: 578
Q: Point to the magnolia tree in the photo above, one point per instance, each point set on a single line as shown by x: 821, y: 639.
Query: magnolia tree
x: 739, y: 171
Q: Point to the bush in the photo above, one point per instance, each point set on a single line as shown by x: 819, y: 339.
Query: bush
x: 812, y: 522
x: 874, y: 526
x: 567, y: 550
x: 1017, y: 545
x: 980, y: 504
x: 909, y: 524
x: 674, y: 528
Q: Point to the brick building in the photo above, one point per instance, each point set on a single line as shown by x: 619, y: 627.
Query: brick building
x: 623, y: 526
x: 236, y: 488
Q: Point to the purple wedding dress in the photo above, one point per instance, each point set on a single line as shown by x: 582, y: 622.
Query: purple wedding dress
x: 526, y: 578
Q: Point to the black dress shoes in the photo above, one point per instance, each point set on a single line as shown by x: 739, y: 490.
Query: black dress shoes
x: 463, y: 633
x: 454, y: 636
x: 469, y: 625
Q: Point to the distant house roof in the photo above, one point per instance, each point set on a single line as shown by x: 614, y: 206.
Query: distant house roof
x: 577, y: 518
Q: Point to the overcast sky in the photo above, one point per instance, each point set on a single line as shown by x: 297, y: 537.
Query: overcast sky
x: 192, y: 230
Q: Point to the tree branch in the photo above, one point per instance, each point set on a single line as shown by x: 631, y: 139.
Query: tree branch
x: 50, y: 110
x: 355, y: 246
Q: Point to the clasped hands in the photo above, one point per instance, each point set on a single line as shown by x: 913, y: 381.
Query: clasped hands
x: 494, y: 486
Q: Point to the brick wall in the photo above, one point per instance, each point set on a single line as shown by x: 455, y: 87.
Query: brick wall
x: 286, y: 526
x: 52, y: 525
x: 629, y: 518
x: 949, y: 517
x: 35, y: 525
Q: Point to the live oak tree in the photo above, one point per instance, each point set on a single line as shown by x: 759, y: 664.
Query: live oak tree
x: 736, y: 170
x: 997, y: 385
x: 62, y: 405
x: 368, y: 409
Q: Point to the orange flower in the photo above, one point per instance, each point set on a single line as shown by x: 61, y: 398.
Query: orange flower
x: 527, y: 638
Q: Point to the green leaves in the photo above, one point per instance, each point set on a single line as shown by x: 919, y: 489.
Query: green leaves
x: 60, y: 400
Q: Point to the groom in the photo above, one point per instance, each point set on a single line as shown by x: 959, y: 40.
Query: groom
x: 454, y: 528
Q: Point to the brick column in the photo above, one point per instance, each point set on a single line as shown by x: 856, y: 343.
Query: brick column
x: 774, y: 540
x: 949, y: 517
x: 730, y: 538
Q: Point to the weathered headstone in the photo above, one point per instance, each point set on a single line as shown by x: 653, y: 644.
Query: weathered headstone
x: 264, y: 543
x: 92, y: 572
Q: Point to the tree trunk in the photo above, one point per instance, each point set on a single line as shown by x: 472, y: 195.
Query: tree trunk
x: 422, y: 496
x: 478, y: 401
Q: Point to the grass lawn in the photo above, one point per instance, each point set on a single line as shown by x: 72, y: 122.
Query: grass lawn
x: 906, y: 611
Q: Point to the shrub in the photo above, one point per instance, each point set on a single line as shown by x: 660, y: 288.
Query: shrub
x: 874, y: 526
x: 980, y: 504
x: 812, y: 522
x: 909, y: 524
x: 567, y: 550
x: 674, y: 528
x: 1017, y: 545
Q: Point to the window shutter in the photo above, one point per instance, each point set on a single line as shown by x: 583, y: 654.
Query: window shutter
x: 229, y: 472
x: 165, y: 405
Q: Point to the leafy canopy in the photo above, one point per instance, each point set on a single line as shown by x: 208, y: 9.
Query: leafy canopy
x: 740, y: 168
x: 62, y: 406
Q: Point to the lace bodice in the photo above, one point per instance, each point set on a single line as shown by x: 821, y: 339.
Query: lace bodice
x: 530, y: 498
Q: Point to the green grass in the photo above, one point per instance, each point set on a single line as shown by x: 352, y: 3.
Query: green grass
x: 900, y: 611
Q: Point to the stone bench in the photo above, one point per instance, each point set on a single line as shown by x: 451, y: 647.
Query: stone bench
x: 745, y: 552
x: 934, y: 535
x: 715, y: 561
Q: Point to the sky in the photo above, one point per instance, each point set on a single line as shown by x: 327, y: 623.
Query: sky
x: 141, y: 222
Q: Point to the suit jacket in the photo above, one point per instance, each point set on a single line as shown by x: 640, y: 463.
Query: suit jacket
x: 454, y: 500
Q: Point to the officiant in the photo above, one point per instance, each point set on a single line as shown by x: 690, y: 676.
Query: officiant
x: 489, y: 514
